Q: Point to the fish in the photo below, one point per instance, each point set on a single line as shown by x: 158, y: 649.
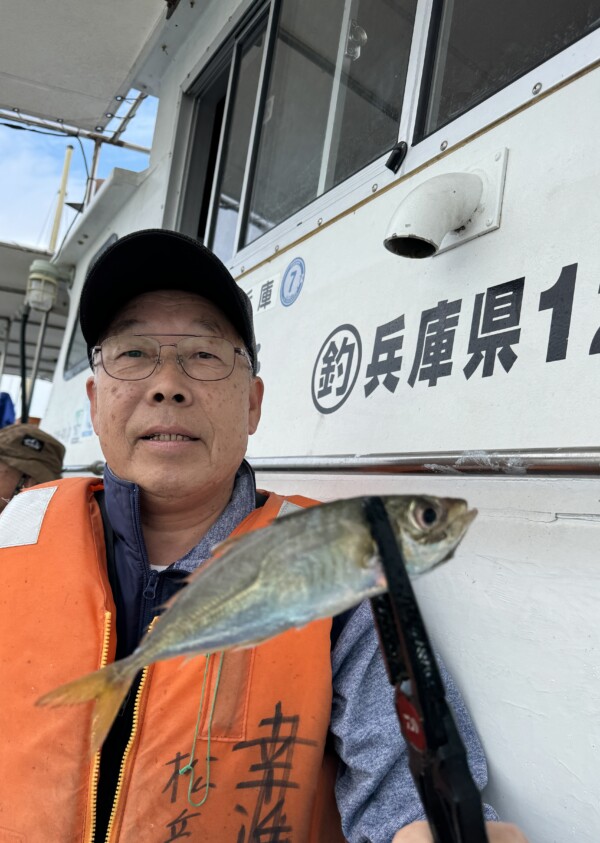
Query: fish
x: 305, y: 566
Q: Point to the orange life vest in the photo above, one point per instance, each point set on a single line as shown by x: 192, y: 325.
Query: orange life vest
x: 262, y: 726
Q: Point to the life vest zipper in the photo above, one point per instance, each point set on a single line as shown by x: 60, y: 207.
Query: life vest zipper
x: 95, y: 774
x: 130, y: 742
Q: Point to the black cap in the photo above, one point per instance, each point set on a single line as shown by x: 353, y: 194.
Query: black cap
x: 157, y: 259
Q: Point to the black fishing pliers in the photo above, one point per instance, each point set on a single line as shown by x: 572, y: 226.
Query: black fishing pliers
x: 437, y: 756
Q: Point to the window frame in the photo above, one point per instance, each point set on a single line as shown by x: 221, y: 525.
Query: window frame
x: 579, y: 57
x: 193, y: 114
x: 244, y: 34
x: 570, y: 61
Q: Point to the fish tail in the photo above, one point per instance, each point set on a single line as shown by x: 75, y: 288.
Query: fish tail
x: 107, y: 687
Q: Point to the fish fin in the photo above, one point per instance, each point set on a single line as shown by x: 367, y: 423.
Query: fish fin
x: 107, y: 687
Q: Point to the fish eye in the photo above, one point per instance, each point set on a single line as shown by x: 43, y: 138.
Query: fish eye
x: 425, y: 515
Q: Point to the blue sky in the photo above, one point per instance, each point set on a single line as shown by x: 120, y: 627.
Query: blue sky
x: 30, y: 171
x: 31, y: 166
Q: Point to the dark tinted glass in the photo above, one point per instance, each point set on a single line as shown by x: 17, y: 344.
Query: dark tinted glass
x: 77, y: 359
x: 333, y: 101
x: 222, y: 240
x: 484, y: 46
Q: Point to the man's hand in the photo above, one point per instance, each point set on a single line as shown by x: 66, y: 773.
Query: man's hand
x: 418, y: 832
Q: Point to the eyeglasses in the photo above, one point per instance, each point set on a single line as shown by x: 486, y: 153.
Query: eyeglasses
x: 133, y: 357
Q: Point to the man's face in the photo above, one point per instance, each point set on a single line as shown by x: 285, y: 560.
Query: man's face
x: 213, y: 418
x: 9, y: 477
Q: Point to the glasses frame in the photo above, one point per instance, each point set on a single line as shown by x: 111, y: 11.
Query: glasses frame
x: 237, y: 349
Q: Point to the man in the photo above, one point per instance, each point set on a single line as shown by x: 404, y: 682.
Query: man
x: 231, y: 748
x: 28, y: 456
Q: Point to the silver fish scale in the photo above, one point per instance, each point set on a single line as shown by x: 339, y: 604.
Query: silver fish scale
x: 321, y: 558
x: 307, y: 565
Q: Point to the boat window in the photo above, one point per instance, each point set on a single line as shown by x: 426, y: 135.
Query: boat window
x: 482, y: 47
x: 235, y: 151
x: 77, y: 359
x: 314, y: 96
x: 333, y: 101
x: 207, y: 113
x: 309, y: 94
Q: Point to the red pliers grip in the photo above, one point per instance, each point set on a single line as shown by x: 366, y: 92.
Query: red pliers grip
x: 437, y: 756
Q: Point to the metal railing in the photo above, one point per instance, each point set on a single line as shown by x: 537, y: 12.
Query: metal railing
x: 516, y: 463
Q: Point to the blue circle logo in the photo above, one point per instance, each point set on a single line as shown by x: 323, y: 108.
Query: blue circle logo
x: 292, y: 281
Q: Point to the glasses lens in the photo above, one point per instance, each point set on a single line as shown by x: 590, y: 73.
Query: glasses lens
x: 129, y: 357
x: 206, y: 358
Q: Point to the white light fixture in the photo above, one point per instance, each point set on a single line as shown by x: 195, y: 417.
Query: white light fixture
x: 42, y: 285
